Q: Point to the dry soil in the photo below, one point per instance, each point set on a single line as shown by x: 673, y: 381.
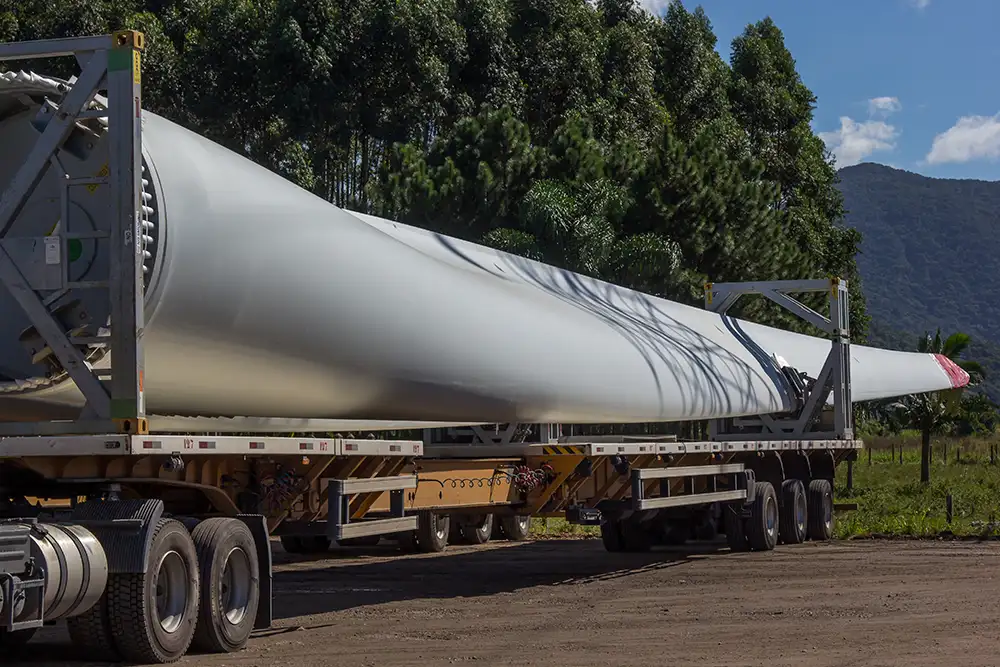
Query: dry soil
x: 568, y: 603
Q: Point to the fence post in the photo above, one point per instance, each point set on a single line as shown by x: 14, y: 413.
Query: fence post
x: 869, y: 456
x: 993, y: 454
x: 948, y: 508
x: 900, y: 453
x: 850, y: 475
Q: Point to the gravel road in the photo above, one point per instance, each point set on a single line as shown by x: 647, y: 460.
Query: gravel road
x: 567, y: 603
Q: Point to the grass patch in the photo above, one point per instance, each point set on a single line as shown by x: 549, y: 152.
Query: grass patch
x: 892, y: 501
x: 559, y: 528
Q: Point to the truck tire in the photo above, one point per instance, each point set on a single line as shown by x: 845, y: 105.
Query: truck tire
x: 794, y: 512
x: 762, y: 526
x: 154, y: 613
x: 90, y: 632
x: 478, y: 530
x: 735, y: 526
x: 635, y: 537
x: 292, y: 544
x: 432, y: 532
x: 516, y: 528
x: 230, y: 585
x: 367, y: 541
x: 820, y: 500
x: 611, y: 536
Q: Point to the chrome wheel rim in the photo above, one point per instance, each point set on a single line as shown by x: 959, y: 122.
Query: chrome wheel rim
x: 234, y: 589
x: 171, y: 591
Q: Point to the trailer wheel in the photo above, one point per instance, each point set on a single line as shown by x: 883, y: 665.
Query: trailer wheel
x: 367, y: 541
x: 635, y: 537
x: 476, y: 531
x: 154, y: 613
x: 432, y: 532
x: 794, y: 512
x: 611, y: 536
x: 230, y: 592
x: 516, y: 528
x: 292, y: 544
x: 735, y: 526
x: 762, y: 526
x: 91, y: 633
x: 820, y: 502
x: 315, y: 544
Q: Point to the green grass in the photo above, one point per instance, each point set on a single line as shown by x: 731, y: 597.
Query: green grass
x: 891, y: 500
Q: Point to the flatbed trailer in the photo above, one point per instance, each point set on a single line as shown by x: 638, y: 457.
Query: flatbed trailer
x: 151, y: 542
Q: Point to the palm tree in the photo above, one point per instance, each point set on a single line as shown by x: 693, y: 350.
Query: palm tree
x: 932, y: 412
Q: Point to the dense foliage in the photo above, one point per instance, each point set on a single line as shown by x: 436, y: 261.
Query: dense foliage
x: 591, y: 135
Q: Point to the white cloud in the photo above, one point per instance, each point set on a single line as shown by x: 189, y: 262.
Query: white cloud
x: 920, y: 4
x: 655, y: 7
x: 971, y: 138
x: 855, y: 140
x: 883, y: 106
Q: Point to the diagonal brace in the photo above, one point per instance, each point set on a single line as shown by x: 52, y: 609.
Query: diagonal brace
x: 55, y: 133
x: 50, y: 330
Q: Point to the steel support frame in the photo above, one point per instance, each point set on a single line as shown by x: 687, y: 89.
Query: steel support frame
x: 502, y: 435
x: 835, y: 376
x: 339, y: 524
x: 111, y: 62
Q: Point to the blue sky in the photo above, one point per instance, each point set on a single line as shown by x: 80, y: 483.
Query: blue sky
x: 909, y: 83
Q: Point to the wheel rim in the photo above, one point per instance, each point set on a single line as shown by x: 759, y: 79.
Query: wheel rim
x: 770, y: 515
x: 441, y: 529
x: 484, y: 525
x: 234, y: 589
x: 827, y: 511
x: 171, y: 591
x: 524, y: 522
x: 800, y: 511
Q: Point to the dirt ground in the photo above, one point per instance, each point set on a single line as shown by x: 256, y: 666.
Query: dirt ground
x: 567, y: 603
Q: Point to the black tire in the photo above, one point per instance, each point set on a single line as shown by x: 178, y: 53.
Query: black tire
x: 366, y: 541
x: 12, y: 644
x: 477, y: 531
x: 136, y: 620
x: 292, y: 544
x: 820, y: 499
x: 611, y: 536
x: 230, y: 591
x: 676, y: 532
x: 90, y: 632
x: 794, y: 525
x: 516, y: 528
x: 762, y: 526
x: 735, y: 526
x: 432, y: 532
x: 635, y: 537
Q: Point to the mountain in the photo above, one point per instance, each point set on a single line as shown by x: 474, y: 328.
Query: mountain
x: 930, y: 257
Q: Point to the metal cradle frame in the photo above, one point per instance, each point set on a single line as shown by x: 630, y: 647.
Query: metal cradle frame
x: 109, y: 63
x: 810, y: 394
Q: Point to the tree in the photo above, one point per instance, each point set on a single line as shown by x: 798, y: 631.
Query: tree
x: 934, y: 412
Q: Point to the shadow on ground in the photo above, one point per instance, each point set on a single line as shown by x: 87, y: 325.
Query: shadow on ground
x: 348, y: 579
x: 345, y: 579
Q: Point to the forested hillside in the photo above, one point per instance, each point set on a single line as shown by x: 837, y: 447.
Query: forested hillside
x: 928, y: 257
x: 591, y: 135
x: 929, y: 250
